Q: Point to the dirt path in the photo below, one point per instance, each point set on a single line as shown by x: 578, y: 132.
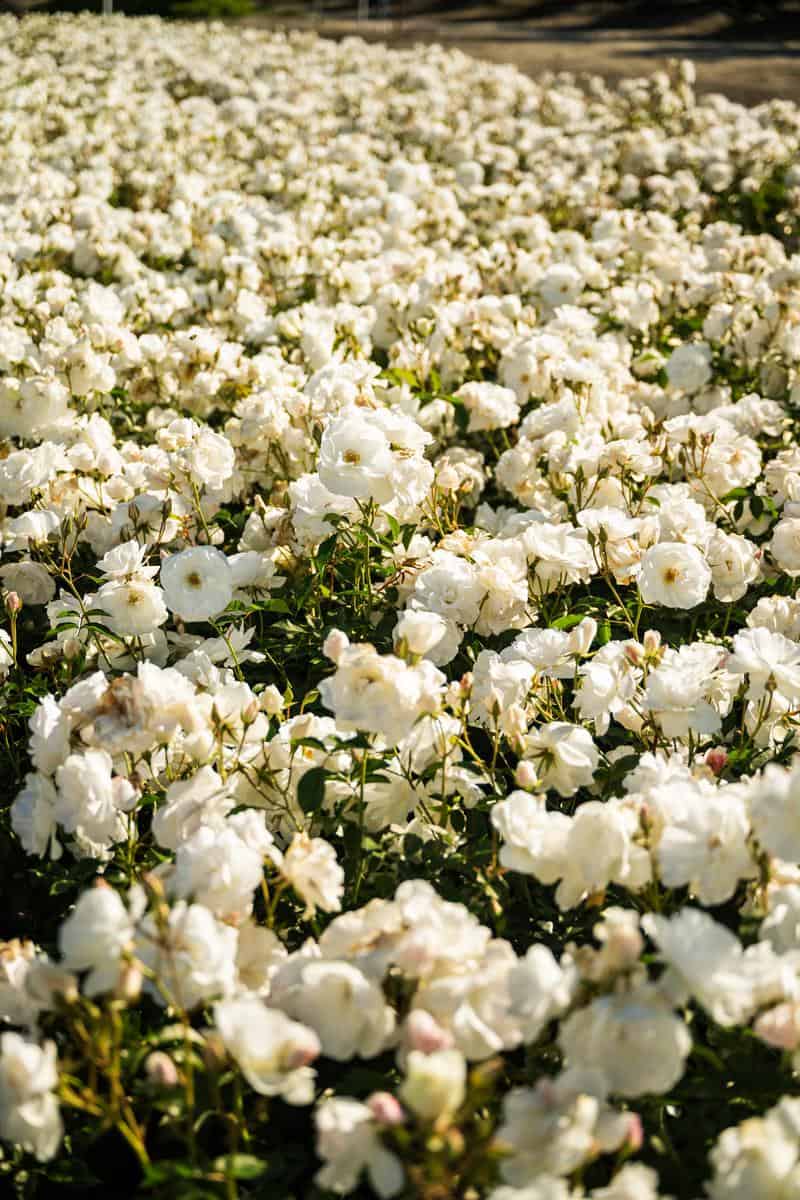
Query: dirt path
x: 748, y: 71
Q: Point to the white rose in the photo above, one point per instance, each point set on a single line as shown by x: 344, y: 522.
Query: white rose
x: 194, y: 958
x: 565, y: 756
x: 674, y: 574
x: 689, y: 367
x: 632, y: 1037
x: 348, y: 1143
x: 355, y: 458
x: 95, y: 936
x: 311, y: 867
x: 336, y: 999
x: 29, y: 1115
x: 271, y: 1050
x: 197, y: 583
x: 785, y: 545
x: 132, y: 607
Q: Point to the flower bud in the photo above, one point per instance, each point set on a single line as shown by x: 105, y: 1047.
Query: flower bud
x: 716, y: 758
x: 525, y: 775
x: 271, y: 701
x: 385, y: 1108
x: 582, y: 636
x: 335, y: 645
x: 635, y: 1132
x: 71, y: 649
x: 305, y: 1048
x: 161, y: 1070
x: 779, y: 1027
x: 435, y: 1085
x: 423, y: 1032
x: 13, y: 603
x: 651, y: 642
x: 129, y: 987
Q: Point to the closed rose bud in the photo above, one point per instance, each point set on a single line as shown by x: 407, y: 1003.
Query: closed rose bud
x: 71, y: 649
x: 335, y: 645
x: 305, y: 1048
x: 270, y: 700
x: 635, y: 1132
x: 161, y: 1070
x: 423, y: 1032
x: 435, y: 1084
x: 780, y: 1027
x: 525, y: 775
x: 385, y: 1108
x: 13, y: 603
x: 651, y: 642
x: 129, y: 987
x: 716, y: 758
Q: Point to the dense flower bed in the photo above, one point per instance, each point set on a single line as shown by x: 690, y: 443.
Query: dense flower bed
x: 400, y: 528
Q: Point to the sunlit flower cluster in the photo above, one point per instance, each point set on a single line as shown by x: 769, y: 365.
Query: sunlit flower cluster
x: 399, y: 545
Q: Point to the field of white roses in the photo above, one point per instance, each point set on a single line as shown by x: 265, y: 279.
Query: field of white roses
x: 400, y: 658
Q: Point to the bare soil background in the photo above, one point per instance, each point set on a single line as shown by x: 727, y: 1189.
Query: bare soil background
x: 750, y: 52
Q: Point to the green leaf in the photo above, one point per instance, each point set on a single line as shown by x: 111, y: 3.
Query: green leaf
x: 311, y: 790
x: 567, y: 622
x: 240, y: 1166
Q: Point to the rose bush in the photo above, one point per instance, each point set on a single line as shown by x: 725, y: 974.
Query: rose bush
x: 399, y: 671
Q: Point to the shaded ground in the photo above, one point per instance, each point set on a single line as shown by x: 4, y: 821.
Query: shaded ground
x: 750, y: 52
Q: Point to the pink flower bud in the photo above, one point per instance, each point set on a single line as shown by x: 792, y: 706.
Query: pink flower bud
x: 778, y: 1027
x: 385, y: 1108
x: 651, y: 642
x: 716, y: 758
x: 424, y: 1033
x: 634, y: 654
x: 303, y: 1051
x: 525, y: 775
x: 13, y: 603
x: 161, y: 1070
x: 635, y: 1131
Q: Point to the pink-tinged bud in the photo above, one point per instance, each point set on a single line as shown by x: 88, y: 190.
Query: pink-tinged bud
x: 779, y: 1027
x: 385, y: 1108
x: 335, y: 645
x: 634, y: 654
x: 250, y: 712
x: 525, y: 775
x: 304, y: 1049
x: 13, y: 603
x: 651, y: 642
x: 161, y: 1070
x: 716, y: 758
x: 424, y: 1033
x: 466, y: 682
x: 635, y: 1132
